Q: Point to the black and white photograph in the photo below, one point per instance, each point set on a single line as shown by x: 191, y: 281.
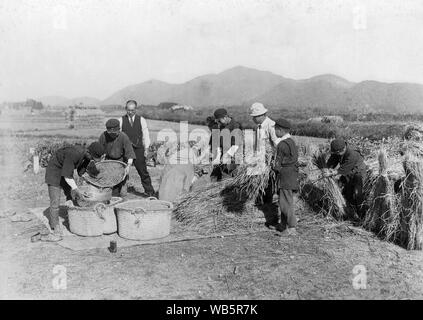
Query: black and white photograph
x: 218, y: 152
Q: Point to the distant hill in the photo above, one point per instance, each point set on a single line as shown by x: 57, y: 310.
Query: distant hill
x: 241, y: 85
x: 65, y: 102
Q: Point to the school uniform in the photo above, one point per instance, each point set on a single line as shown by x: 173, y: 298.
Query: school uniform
x: 286, y: 166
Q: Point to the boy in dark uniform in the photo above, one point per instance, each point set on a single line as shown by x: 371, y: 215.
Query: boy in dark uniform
x: 59, y: 176
x: 118, y: 146
x: 287, y: 170
x: 352, y: 170
x: 226, y: 162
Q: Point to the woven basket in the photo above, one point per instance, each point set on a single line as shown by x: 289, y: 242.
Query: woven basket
x: 144, y: 219
x: 112, y: 172
x: 97, y: 195
x: 93, y: 221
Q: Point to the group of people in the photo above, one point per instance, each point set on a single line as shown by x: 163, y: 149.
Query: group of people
x: 127, y: 140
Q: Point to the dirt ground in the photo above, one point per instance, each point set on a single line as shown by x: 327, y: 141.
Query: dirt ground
x: 327, y: 260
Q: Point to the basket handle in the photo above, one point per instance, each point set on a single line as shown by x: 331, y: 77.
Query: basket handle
x: 99, y: 209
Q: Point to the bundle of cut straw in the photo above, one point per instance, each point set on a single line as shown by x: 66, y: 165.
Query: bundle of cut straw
x: 326, y: 193
x: 382, y: 211
x: 411, y: 218
x: 215, y: 207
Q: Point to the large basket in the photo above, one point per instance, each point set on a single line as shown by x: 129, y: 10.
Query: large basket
x: 144, y: 219
x: 111, y: 173
x: 97, y: 195
x: 93, y: 221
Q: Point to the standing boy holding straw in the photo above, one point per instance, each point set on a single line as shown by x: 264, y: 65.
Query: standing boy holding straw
x: 287, y: 170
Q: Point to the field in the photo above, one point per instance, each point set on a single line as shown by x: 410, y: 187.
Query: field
x: 323, y: 262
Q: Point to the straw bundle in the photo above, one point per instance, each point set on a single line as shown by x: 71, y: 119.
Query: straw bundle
x: 324, y: 194
x: 215, y: 207
x: 382, y: 213
x: 411, y: 218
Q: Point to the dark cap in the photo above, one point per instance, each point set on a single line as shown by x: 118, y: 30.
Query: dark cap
x: 112, y: 123
x: 337, y: 145
x: 220, y: 113
x: 96, y: 149
x: 283, y: 123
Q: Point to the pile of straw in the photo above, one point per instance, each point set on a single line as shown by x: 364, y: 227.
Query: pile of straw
x: 323, y: 193
x: 411, y: 217
x: 215, y: 207
x: 382, y: 205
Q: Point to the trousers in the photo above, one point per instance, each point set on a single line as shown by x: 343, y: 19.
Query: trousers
x: 141, y: 166
x: 286, y: 205
x: 54, y: 193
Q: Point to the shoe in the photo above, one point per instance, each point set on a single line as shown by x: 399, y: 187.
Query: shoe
x: 51, y: 237
x: 289, y: 232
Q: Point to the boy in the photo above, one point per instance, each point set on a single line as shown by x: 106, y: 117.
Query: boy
x: 287, y: 170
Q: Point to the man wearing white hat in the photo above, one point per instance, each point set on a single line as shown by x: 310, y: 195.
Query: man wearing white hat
x: 266, y: 142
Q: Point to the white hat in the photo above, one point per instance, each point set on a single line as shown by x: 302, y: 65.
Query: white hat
x: 257, y: 109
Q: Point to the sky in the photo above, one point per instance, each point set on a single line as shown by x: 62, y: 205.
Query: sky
x: 76, y: 48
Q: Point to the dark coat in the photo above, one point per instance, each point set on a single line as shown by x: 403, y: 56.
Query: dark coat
x: 350, y: 164
x: 119, y: 148
x: 231, y: 126
x: 63, y: 163
x: 286, y: 165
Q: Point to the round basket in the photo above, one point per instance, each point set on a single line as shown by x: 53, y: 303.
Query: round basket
x: 93, y: 221
x: 144, y: 219
x: 96, y: 195
x: 111, y: 173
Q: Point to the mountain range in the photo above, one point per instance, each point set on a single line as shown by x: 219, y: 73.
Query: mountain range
x: 242, y: 86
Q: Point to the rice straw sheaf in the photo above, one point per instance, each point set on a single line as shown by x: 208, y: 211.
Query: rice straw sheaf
x: 215, y: 207
x: 324, y: 194
x: 381, y: 215
x: 411, y: 218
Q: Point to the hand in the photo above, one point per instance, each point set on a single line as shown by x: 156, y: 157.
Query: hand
x: 78, y: 194
x: 226, y: 158
x: 127, y: 168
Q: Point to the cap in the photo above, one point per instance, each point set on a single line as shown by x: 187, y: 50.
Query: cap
x: 112, y: 123
x: 96, y: 149
x: 220, y: 113
x: 337, y: 145
x: 257, y: 109
x: 283, y: 123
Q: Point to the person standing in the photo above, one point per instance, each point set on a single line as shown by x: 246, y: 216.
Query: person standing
x: 286, y: 167
x: 118, y: 147
x: 226, y: 157
x: 352, y: 171
x: 135, y: 127
x: 266, y: 142
x: 59, y: 176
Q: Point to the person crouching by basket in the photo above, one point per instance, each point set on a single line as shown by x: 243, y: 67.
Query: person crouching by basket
x: 59, y: 176
x: 118, y: 146
x: 352, y: 171
x: 286, y: 167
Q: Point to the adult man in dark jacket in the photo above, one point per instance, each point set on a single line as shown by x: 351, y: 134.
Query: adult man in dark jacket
x: 136, y: 129
x: 117, y: 147
x: 286, y: 166
x: 223, y: 151
x: 352, y: 170
x: 59, y: 175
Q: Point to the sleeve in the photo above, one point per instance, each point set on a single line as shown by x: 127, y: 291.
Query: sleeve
x: 120, y: 123
x: 279, y: 157
x: 127, y: 146
x: 102, y: 139
x: 272, y: 135
x: 348, y: 165
x: 145, y: 133
x: 332, y: 162
x: 68, y: 166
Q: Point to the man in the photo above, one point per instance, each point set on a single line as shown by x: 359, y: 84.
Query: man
x: 286, y: 166
x: 118, y: 147
x: 135, y: 127
x: 352, y: 171
x: 266, y: 142
x: 59, y: 175
x: 224, y: 157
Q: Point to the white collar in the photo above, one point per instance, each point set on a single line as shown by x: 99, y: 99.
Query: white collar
x: 286, y: 136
